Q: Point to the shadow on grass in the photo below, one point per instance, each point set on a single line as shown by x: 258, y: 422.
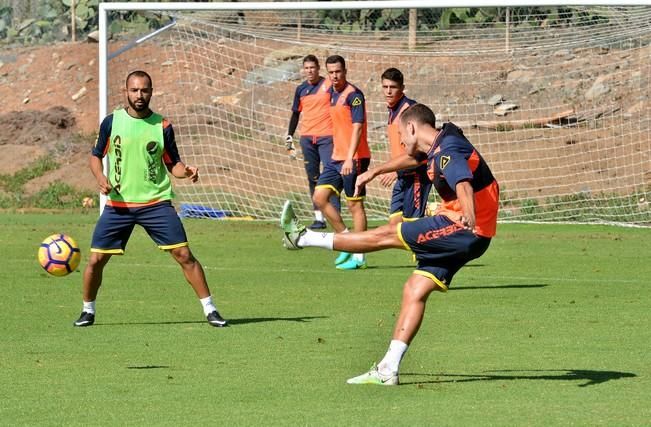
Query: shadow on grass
x: 466, y: 288
x: 274, y: 319
x: 230, y: 321
x: 589, y: 376
x: 149, y: 367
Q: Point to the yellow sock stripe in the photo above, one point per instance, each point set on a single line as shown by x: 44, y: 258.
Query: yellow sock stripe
x: 355, y: 198
x: 433, y: 278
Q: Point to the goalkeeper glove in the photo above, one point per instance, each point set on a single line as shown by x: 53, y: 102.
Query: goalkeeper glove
x: 289, y: 145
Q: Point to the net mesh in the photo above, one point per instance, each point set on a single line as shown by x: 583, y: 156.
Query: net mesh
x: 559, y: 106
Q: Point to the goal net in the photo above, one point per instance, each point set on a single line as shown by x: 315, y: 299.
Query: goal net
x: 555, y: 98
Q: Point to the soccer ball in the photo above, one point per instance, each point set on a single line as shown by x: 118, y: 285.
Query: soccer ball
x: 59, y: 255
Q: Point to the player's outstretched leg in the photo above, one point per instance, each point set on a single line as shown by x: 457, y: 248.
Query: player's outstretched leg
x: 291, y: 227
x: 374, y: 376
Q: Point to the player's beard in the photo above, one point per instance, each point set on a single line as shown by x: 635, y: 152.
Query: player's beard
x: 139, y: 107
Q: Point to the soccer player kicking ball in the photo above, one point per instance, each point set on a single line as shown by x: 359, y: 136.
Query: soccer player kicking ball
x: 460, y: 230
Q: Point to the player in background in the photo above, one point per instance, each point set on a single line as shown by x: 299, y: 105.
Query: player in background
x: 460, y: 230
x: 312, y: 99
x: 412, y: 186
x: 142, y: 150
x: 350, y: 157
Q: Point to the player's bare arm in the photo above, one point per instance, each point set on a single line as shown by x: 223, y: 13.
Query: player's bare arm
x: 387, y: 179
x: 97, y: 169
x: 405, y: 161
x: 466, y: 197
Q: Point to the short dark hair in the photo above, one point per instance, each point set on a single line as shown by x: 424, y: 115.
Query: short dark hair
x: 334, y: 59
x: 419, y: 113
x: 311, y: 58
x: 395, y: 75
x: 138, y: 73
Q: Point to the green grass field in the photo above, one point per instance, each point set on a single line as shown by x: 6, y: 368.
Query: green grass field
x: 550, y: 327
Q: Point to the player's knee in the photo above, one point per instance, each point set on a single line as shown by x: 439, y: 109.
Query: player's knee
x: 418, y: 291
x: 320, y: 198
x: 386, y: 236
x: 356, y: 207
x: 97, y: 261
x: 183, y: 255
x: 418, y: 288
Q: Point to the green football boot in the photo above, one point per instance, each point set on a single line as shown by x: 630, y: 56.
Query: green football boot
x: 374, y: 376
x: 291, y: 227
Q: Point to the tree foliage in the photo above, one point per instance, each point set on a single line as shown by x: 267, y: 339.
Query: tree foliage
x: 442, y: 19
x: 47, y: 21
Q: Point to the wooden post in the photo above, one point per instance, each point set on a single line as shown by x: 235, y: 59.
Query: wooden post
x: 413, y: 26
x: 73, y: 21
x: 299, y: 25
x: 508, y: 34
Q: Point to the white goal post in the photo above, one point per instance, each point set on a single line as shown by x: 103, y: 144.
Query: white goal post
x: 555, y: 95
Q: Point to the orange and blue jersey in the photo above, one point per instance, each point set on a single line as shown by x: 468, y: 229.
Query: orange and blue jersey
x: 313, y: 101
x: 411, y: 189
x: 453, y: 159
x: 393, y: 125
x: 348, y: 107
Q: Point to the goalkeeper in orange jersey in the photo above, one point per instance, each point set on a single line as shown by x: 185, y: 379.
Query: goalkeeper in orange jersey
x: 312, y: 99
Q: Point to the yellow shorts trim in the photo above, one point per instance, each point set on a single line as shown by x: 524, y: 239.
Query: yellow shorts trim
x: 108, y: 251
x: 433, y: 278
x: 329, y: 187
x: 399, y: 233
x: 395, y: 214
x: 410, y: 219
x: 169, y: 247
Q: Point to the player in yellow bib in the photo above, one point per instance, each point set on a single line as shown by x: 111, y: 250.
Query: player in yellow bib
x: 141, y: 150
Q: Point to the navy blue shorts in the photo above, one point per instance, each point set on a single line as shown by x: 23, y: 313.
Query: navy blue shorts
x: 409, y: 196
x: 317, y: 153
x: 441, y: 247
x: 115, y: 225
x: 332, y: 178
